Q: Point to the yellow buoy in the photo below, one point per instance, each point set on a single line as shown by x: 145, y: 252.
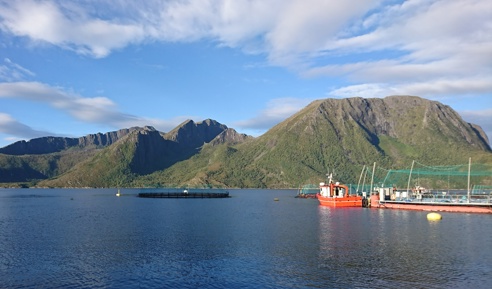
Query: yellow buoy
x: 434, y: 216
x: 276, y: 199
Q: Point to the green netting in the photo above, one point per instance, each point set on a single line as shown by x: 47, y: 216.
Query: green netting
x: 434, y: 177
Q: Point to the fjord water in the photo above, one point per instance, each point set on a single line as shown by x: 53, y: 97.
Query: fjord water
x: 84, y: 238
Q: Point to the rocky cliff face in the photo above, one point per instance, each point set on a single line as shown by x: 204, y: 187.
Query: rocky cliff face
x: 156, y: 151
x: 191, y: 134
x: 105, y: 139
x: 152, y: 151
x: 409, y: 119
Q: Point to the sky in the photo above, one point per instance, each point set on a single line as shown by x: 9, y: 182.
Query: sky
x: 72, y: 68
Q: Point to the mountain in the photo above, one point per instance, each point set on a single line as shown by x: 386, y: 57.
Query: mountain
x: 47, y: 157
x: 101, y: 159
x: 336, y: 135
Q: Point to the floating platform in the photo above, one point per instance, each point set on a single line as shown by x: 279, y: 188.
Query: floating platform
x: 485, y: 208
x: 184, y: 195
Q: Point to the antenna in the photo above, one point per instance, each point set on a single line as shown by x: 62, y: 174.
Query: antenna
x: 330, y: 178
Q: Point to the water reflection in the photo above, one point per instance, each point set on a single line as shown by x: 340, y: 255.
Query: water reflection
x: 372, y: 248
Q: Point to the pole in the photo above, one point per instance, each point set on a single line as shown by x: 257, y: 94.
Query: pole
x: 409, y: 177
x: 372, y: 178
x: 364, y: 180
x: 360, y: 178
x: 469, y: 168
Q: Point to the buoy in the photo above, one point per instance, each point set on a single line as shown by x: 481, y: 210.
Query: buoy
x: 118, y: 193
x: 276, y: 199
x: 434, y: 216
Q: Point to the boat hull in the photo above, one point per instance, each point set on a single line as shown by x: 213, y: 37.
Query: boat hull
x: 445, y: 207
x: 350, y: 201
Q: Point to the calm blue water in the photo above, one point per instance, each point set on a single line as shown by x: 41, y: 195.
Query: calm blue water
x: 54, y: 238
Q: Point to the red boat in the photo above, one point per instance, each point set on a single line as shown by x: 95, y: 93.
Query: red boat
x: 337, y: 195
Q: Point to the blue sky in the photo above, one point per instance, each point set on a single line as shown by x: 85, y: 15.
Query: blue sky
x: 71, y: 68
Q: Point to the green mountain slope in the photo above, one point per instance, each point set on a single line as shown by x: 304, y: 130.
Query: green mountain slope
x: 140, y: 152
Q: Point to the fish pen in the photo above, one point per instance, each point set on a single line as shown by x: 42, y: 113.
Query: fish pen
x: 184, y: 193
x: 451, y: 183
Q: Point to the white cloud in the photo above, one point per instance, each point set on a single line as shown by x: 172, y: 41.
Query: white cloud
x: 433, y: 89
x: 280, y: 28
x: 277, y: 110
x: 67, y: 26
x: 370, y: 41
x: 303, y: 29
x: 412, y: 52
x: 363, y: 90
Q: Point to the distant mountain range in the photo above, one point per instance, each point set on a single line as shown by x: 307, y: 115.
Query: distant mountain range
x: 332, y: 134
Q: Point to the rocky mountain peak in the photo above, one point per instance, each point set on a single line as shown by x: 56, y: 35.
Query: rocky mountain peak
x: 401, y: 117
x: 229, y: 136
x: 192, y: 134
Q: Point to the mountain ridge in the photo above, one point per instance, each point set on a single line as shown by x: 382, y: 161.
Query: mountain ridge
x: 50, y: 144
x: 328, y: 134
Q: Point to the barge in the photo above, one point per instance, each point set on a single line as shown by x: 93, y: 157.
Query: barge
x: 388, y: 199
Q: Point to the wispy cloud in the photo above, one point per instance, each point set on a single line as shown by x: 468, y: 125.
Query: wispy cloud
x: 10, y: 126
x: 96, y: 110
x: 11, y: 71
x: 433, y: 88
x: 411, y: 53
x: 277, y: 110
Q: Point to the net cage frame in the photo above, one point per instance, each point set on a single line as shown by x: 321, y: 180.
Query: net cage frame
x: 475, y: 177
